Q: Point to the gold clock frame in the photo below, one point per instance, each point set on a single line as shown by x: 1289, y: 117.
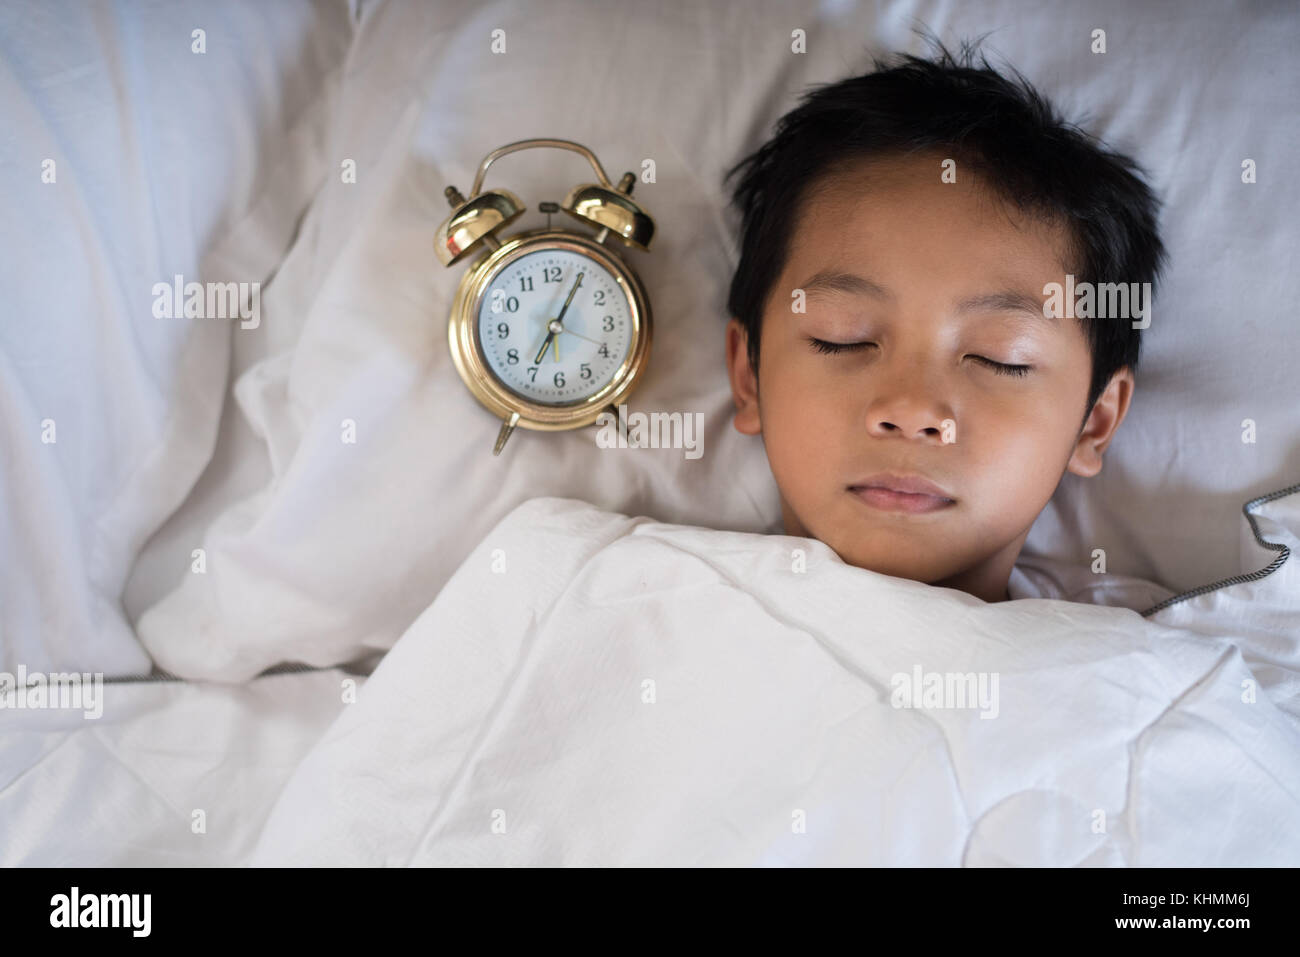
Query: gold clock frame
x: 495, y: 395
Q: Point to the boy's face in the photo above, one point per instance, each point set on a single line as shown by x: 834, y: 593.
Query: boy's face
x: 939, y: 267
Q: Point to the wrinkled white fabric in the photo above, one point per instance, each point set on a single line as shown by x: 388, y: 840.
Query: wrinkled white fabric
x: 129, y: 158
x: 341, y: 546
x: 169, y: 775
x: 592, y: 688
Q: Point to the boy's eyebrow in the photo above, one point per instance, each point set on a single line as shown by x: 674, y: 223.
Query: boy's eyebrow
x: 1005, y: 300
x: 829, y: 280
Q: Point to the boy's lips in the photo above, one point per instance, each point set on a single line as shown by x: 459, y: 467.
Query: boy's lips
x: 895, y: 492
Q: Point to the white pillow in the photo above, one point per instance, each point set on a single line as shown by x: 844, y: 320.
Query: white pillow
x: 347, y: 543
x: 140, y: 143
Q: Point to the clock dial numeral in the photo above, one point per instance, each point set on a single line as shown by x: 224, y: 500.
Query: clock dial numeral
x: 594, y: 339
x: 503, y: 303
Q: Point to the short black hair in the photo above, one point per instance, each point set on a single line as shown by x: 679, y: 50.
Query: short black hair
x: 1001, y: 128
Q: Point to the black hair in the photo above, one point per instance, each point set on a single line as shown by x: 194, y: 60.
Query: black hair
x: 1001, y: 128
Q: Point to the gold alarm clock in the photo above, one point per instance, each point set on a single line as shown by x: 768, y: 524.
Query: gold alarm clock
x: 549, y: 328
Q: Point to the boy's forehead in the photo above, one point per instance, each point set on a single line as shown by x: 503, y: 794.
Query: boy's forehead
x: 900, y: 211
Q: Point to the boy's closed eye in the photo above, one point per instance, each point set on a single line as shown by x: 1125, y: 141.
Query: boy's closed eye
x: 835, y: 348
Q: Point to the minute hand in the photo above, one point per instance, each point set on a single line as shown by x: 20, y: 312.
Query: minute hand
x: 576, y: 284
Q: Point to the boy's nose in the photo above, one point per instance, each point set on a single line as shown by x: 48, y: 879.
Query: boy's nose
x: 911, y: 414
x: 909, y: 429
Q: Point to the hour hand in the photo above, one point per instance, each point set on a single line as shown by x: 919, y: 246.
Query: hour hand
x: 545, y: 345
x: 553, y: 329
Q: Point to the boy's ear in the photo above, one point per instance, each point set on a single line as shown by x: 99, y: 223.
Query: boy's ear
x: 1105, y: 417
x: 744, y: 384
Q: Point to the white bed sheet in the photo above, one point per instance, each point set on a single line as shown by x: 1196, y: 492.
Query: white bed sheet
x: 123, y: 789
x: 129, y: 158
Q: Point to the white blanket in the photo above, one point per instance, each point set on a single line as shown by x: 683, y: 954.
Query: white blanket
x: 594, y: 689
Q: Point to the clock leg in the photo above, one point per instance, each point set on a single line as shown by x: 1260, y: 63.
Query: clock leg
x: 507, y: 427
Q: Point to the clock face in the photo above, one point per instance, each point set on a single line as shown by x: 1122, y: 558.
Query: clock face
x: 555, y: 326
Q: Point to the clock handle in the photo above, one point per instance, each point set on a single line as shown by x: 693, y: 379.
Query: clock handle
x: 507, y: 426
x: 501, y: 151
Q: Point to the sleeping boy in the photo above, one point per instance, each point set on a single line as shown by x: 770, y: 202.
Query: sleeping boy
x: 894, y: 338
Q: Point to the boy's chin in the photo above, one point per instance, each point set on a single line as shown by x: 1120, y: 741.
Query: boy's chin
x: 888, y: 556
